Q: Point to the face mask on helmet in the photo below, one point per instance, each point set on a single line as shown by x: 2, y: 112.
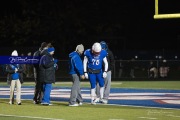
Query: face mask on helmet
x: 96, y: 48
x: 95, y: 53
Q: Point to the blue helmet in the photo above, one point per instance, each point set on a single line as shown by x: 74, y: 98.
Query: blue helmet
x: 104, y: 45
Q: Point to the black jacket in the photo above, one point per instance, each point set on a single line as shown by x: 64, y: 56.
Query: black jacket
x: 37, y: 54
x: 110, y: 59
x: 46, y: 69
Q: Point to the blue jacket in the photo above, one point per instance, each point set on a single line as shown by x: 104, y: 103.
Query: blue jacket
x: 10, y: 69
x: 75, y: 64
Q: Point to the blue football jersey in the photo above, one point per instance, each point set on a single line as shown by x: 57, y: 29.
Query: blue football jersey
x: 95, y: 62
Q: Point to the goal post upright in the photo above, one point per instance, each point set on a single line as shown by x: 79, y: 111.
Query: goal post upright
x: 164, y: 16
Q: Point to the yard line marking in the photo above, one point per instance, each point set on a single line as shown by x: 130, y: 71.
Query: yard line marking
x: 172, y: 115
x: 148, y: 118
x: 29, y: 117
x: 140, y: 106
x: 116, y: 119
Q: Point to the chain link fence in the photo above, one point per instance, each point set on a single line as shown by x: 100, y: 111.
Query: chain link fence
x: 125, y: 69
x: 147, y: 69
x: 136, y: 69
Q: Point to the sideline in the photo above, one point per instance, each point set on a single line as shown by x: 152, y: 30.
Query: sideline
x: 29, y: 117
x: 149, y: 98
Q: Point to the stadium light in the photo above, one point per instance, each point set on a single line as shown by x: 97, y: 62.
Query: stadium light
x: 176, y: 57
x: 160, y: 57
x: 136, y: 57
x: 156, y: 56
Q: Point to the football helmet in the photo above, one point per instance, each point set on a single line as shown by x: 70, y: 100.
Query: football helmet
x: 96, y: 48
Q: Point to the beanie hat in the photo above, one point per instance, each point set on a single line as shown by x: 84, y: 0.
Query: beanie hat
x: 14, y: 53
x: 80, y: 48
x: 104, y: 45
x: 51, y: 49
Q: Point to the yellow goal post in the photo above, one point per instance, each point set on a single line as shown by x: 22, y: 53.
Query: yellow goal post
x: 164, y: 16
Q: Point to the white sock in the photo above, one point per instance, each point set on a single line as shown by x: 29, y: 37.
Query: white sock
x: 101, y: 92
x: 93, y: 94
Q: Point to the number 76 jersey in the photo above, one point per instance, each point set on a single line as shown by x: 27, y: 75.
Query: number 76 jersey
x: 95, y: 61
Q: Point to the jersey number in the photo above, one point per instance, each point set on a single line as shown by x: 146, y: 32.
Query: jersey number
x: 95, y: 62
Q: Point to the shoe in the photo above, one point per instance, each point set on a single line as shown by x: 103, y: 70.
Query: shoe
x: 73, y: 105
x: 80, y: 103
x: 45, y: 103
x: 97, y: 100
x: 10, y: 102
x: 104, y: 101
x: 36, y: 102
x: 18, y: 103
x: 93, y: 102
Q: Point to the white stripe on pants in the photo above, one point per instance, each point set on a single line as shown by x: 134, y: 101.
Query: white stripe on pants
x: 16, y: 83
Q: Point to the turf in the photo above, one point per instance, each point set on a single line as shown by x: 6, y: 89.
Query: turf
x: 174, y: 85
x: 61, y: 110
x: 85, y: 112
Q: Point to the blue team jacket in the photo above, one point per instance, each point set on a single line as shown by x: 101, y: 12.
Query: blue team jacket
x: 75, y: 64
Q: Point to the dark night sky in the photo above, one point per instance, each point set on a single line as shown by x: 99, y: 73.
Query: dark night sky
x: 137, y: 30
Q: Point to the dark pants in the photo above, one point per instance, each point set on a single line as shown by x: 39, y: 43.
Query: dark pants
x: 38, y: 92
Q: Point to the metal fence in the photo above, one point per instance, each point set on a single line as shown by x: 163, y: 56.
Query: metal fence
x: 126, y: 69
x: 135, y: 69
x: 162, y: 69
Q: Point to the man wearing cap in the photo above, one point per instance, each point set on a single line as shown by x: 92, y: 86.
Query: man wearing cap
x: 107, y: 80
x: 76, y: 72
x: 15, y: 74
x: 47, y: 74
x: 93, y: 63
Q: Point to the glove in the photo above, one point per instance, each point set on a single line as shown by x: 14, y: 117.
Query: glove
x: 16, y: 70
x: 82, y: 77
x: 55, y: 66
x: 55, y: 60
x: 86, y: 75
x: 104, y: 74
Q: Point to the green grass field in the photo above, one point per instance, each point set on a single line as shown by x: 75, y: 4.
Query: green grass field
x: 61, y: 110
x: 120, y: 84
